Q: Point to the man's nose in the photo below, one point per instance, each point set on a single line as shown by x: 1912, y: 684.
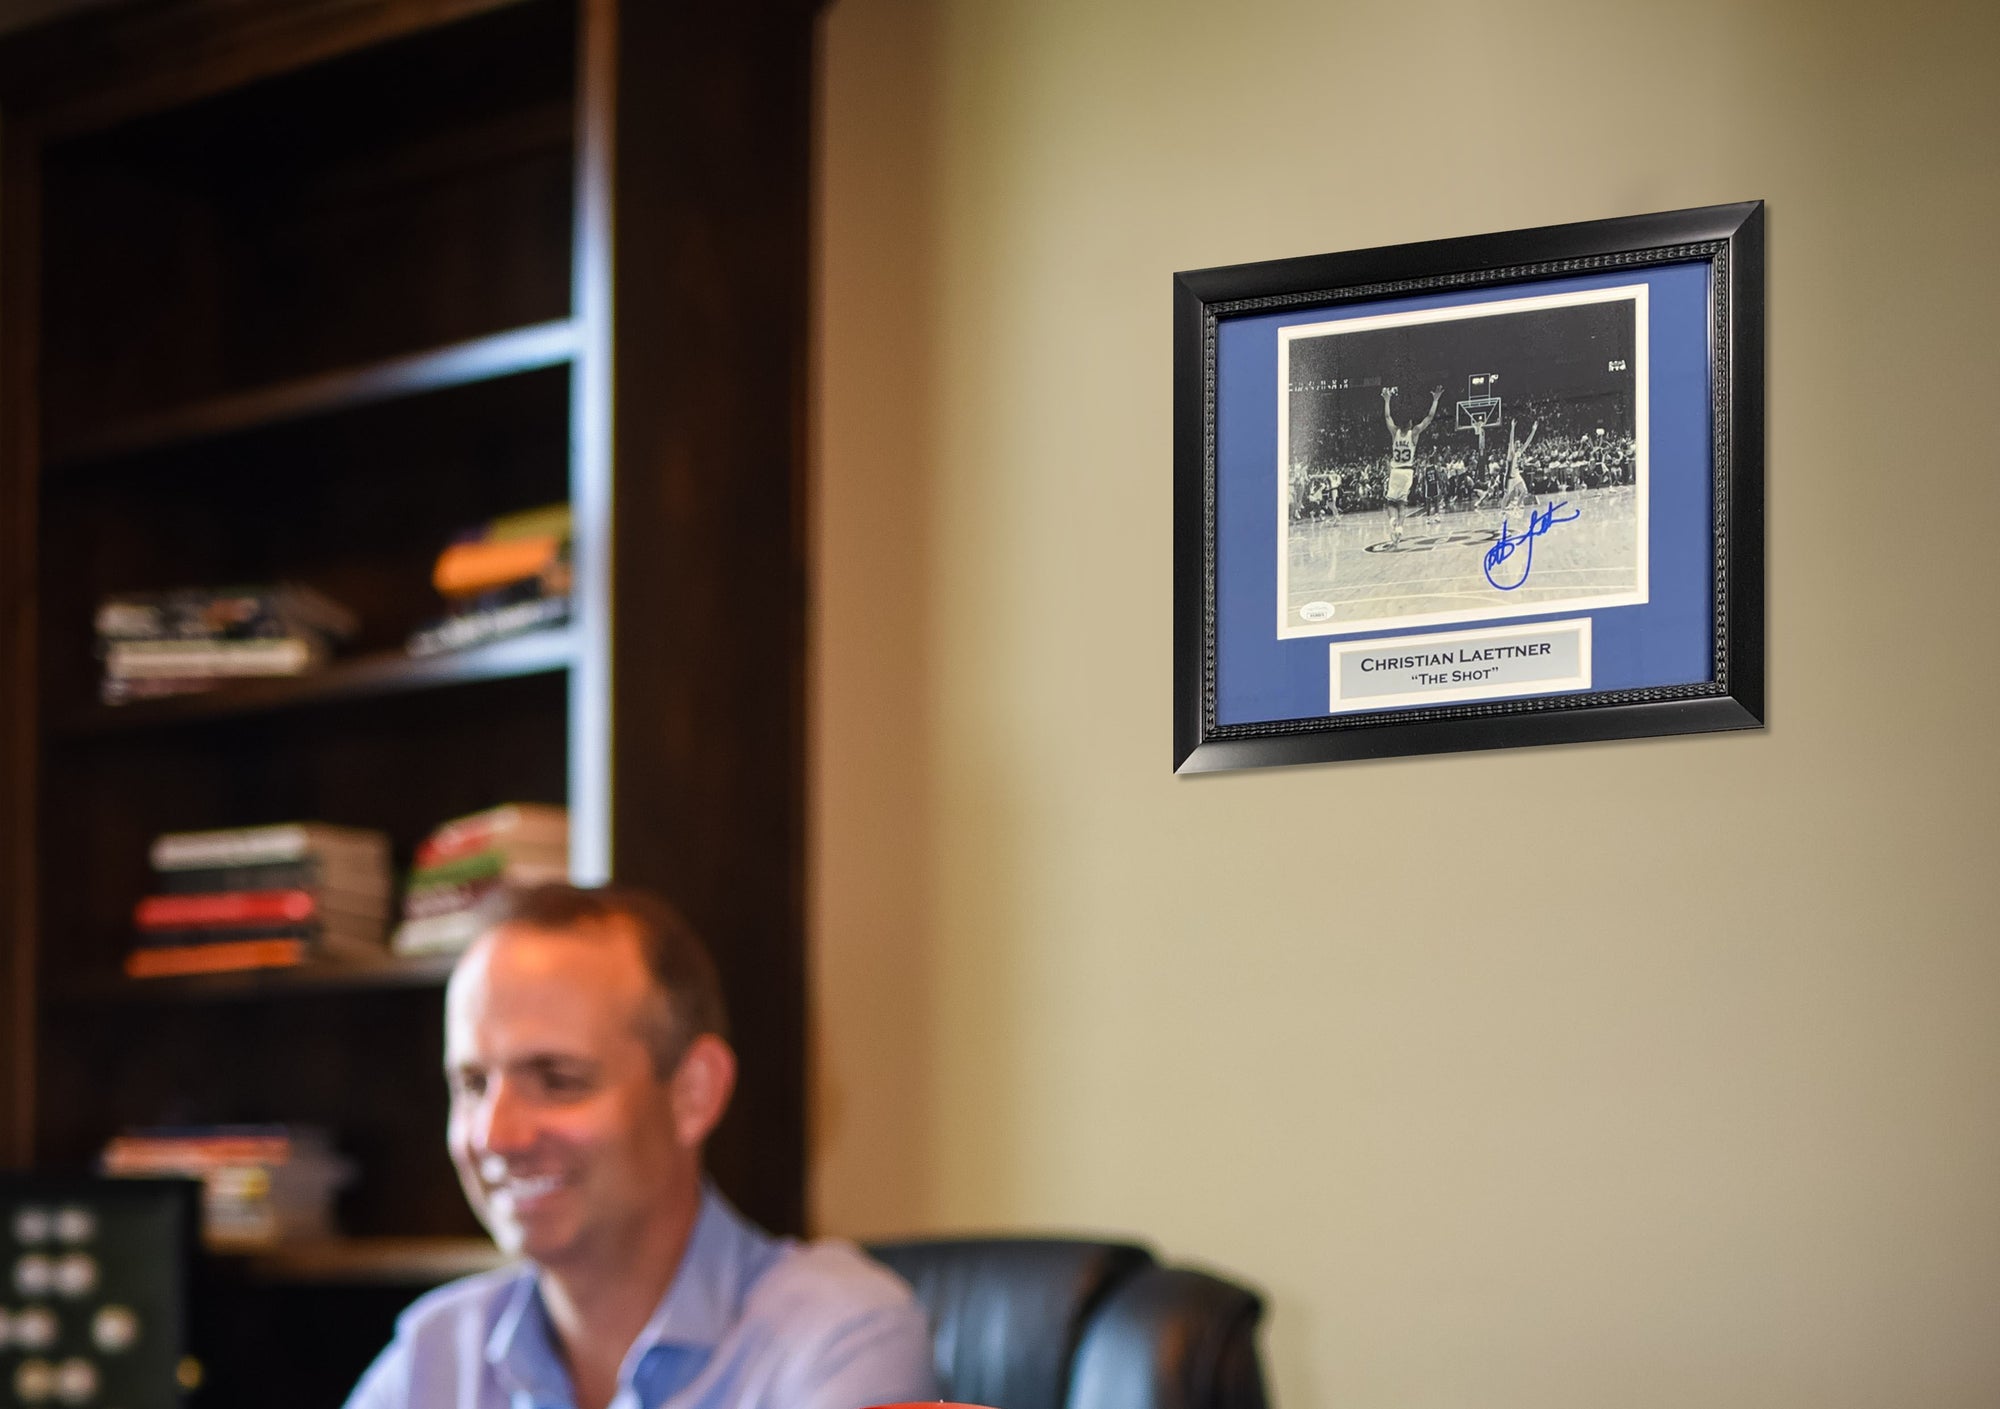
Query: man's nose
x: 506, y: 1123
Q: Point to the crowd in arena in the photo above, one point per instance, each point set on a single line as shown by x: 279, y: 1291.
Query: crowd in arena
x: 1564, y: 456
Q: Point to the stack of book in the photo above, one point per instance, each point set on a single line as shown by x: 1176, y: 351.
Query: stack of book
x: 260, y: 1184
x: 467, y: 866
x: 502, y: 578
x: 174, y: 643
x: 262, y: 897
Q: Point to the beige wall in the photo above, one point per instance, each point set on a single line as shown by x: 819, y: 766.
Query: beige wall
x: 1654, y: 1073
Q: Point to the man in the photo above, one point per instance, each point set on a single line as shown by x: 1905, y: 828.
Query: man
x: 1477, y: 470
x: 1322, y: 488
x: 1516, y: 492
x: 587, y: 1054
x: 1403, y: 458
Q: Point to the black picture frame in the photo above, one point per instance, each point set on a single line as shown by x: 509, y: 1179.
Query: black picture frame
x: 1674, y: 543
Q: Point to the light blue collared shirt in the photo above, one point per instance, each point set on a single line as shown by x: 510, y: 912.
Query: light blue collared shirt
x: 750, y: 1322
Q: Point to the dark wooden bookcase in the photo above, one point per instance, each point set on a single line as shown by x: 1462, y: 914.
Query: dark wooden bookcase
x: 293, y: 290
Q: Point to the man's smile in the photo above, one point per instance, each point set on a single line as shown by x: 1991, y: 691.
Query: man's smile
x: 518, y: 1194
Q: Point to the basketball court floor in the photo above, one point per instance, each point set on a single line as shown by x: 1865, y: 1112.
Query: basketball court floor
x: 1349, y: 563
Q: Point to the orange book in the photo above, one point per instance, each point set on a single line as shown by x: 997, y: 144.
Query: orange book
x: 227, y: 957
x: 466, y: 569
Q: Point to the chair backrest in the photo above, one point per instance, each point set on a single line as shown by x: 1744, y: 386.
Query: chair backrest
x: 1171, y: 1338
x: 1057, y: 1323
x: 1007, y: 1314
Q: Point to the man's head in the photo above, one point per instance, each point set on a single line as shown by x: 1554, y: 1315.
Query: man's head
x: 586, y: 1049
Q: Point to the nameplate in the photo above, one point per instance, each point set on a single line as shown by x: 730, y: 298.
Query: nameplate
x: 1447, y: 667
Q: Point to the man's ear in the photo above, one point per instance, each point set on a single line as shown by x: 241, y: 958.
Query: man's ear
x: 702, y: 1085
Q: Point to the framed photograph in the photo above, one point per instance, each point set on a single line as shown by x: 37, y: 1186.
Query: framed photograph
x: 1471, y: 493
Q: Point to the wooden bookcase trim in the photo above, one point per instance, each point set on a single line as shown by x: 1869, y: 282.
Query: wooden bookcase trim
x: 20, y: 224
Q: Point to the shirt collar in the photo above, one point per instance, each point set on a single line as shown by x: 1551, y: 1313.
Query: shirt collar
x: 521, y: 1348
x: 725, y: 1256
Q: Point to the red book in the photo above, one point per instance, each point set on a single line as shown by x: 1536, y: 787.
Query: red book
x: 222, y: 908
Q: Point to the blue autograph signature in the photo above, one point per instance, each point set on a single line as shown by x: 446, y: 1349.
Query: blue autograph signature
x: 1539, y: 523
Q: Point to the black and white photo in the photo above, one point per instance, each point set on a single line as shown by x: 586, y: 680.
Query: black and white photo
x: 1479, y: 461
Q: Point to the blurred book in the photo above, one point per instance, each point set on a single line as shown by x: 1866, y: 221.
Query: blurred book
x: 359, y: 851
x: 520, y: 826
x: 223, y: 614
x: 468, y: 866
x: 261, y: 1184
x: 531, y: 545
x: 211, y: 954
x: 503, y: 578
x: 476, y: 623
x: 213, y: 660
x: 262, y: 897
x: 349, y: 880
x: 167, y: 643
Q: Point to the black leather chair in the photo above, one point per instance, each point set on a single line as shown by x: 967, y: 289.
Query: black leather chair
x: 1057, y: 1323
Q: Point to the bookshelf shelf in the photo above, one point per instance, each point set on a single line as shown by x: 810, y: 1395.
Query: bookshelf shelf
x: 534, y: 653
x: 429, y: 971
x: 414, y: 1262
x: 460, y: 364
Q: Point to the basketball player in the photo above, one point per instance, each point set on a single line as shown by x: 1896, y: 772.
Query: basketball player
x: 1517, y: 487
x: 1403, y: 458
x: 1319, y: 497
x: 1480, y: 488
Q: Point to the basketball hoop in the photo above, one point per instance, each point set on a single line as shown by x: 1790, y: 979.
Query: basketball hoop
x: 1481, y: 406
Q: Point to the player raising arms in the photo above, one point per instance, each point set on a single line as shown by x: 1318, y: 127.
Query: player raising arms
x: 1480, y: 488
x: 1517, y: 487
x: 1403, y: 458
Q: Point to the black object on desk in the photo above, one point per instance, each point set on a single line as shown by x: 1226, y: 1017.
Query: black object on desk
x: 94, y: 1278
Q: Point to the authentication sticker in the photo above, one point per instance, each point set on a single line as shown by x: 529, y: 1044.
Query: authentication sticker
x: 1443, y: 668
